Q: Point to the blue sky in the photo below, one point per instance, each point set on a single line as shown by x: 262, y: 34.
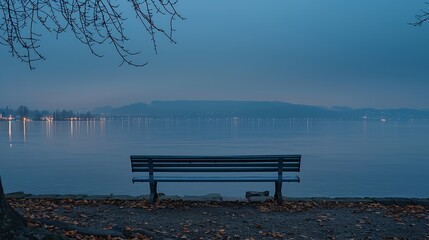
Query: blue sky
x: 326, y: 53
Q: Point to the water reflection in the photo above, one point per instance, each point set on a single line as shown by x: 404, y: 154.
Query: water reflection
x: 48, y: 129
x: 74, y: 129
x: 364, y: 127
x: 10, y: 133
x: 225, y: 127
x: 87, y: 128
x: 308, y: 126
x: 24, y: 130
x: 234, y: 126
x: 102, y: 127
x: 71, y: 128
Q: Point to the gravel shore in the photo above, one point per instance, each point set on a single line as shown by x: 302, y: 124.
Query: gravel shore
x: 115, y: 218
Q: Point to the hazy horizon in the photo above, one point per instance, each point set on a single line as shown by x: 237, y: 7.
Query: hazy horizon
x: 347, y: 53
x: 41, y: 108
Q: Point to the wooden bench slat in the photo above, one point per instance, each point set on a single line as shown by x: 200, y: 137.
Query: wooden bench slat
x: 210, y: 164
x: 217, y: 179
x: 215, y: 160
x: 213, y: 169
x: 237, y: 157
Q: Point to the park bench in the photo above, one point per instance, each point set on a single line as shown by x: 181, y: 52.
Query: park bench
x: 159, y: 169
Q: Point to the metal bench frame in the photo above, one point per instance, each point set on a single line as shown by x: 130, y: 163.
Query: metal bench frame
x: 152, y: 164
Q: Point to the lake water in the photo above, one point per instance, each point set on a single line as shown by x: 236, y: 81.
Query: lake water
x: 339, y: 158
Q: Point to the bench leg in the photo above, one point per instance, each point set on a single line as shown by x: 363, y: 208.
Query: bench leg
x: 153, y: 192
x: 278, y: 194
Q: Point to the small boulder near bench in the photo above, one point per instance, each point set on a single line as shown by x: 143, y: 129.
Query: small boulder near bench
x: 273, y: 165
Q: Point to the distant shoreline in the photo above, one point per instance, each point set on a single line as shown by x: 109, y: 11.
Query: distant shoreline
x: 219, y: 109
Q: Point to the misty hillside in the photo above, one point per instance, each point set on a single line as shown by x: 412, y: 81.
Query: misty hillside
x: 261, y: 109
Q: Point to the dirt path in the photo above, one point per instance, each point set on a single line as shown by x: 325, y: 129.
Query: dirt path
x: 230, y: 220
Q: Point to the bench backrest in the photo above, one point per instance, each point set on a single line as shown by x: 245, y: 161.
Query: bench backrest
x: 251, y: 163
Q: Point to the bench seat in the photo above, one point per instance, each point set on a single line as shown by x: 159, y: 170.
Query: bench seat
x: 217, y: 179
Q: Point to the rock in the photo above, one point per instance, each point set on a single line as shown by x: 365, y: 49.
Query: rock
x: 208, y: 197
x: 146, y: 197
x: 250, y: 194
x: 233, y: 199
x: 258, y: 198
x: 16, y: 195
x: 162, y: 196
x: 168, y: 197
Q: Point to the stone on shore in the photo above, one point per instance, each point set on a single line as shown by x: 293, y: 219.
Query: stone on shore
x: 259, y: 198
x: 255, y: 196
x: 162, y: 196
x: 208, y: 197
x: 250, y: 194
x: 16, y: 195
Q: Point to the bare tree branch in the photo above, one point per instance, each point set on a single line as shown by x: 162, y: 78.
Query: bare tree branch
x: 93, y: 23
x: 421, y: 18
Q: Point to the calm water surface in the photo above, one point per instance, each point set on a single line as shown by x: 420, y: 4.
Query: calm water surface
x: 340, y: 158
